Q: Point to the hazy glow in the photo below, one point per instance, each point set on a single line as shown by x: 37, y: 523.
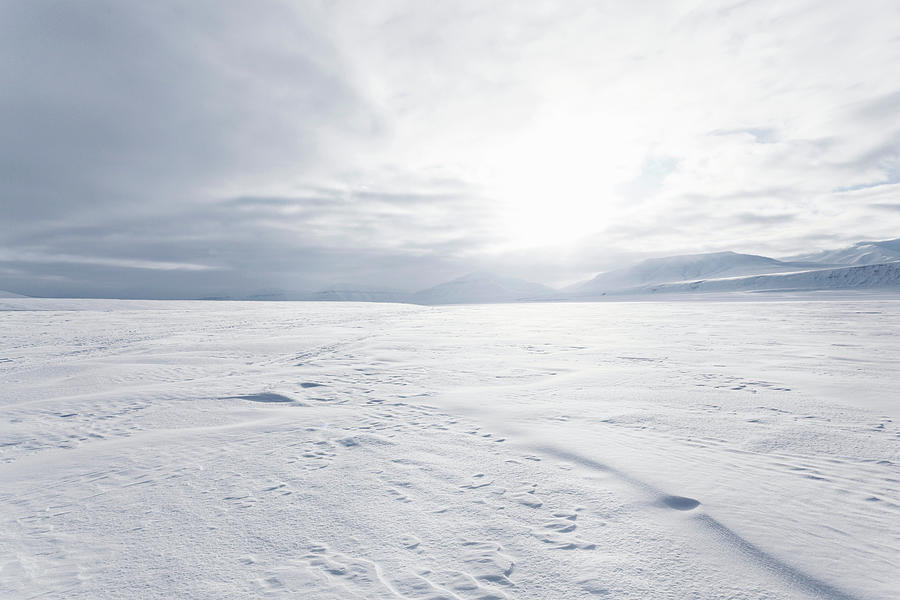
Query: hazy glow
x: 290, y: 145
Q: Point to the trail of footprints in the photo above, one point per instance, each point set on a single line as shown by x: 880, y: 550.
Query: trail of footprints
x: 487, y: 571
x: 345, y: 576
x: 484, y: 569
x: 557, y: 530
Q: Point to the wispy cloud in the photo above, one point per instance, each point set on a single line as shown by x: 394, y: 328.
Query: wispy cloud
x: 105, y: 261
x: 220, y: 147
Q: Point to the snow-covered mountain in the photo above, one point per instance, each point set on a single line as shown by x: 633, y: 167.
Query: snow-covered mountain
x: 5, y: 294
x: 861, y: 253
x: 355, y: 293
x: 683, y: 268
x: 884, y: 275
x: 711, y: 272
x: 481, y: 288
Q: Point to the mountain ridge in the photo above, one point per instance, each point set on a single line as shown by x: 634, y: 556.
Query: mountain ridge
x: 683, y: 267
x: 713, y: 271
x: 860, y: 253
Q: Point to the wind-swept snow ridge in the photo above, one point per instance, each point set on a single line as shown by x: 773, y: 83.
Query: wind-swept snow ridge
x: 735, y: 541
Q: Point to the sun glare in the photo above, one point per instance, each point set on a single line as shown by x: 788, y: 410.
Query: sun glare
x: 555, y: 187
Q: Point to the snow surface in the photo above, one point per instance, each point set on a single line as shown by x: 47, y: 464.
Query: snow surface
x: 536, y: 451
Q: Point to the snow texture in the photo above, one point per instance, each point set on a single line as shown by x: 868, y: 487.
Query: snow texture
x: 527, y: 451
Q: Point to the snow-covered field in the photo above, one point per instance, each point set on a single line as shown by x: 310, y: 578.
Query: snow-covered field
x: 533, y: 451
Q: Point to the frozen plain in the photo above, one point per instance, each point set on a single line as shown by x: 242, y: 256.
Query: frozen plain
x: 534, y: 451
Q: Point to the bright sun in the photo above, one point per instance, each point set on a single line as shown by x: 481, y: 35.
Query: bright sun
x: 555, y: 189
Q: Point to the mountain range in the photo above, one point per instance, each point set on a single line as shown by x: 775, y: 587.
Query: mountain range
x: 864, y: 265
x: 862, y: 253
x: 684, y: 268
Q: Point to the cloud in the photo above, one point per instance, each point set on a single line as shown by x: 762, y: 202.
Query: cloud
x: 296, y: 244
x: 760, y: 135
x: 156, y: 265
x: 763, y: 219
x: 120, y: 104
x: 210, y: 148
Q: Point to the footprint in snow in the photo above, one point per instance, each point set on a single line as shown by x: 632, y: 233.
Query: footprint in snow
x: 559, y: 532
x: 479, y: 482
x: 527, y: 497
x: 485, y: 562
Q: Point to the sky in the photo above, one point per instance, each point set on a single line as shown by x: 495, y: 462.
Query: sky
x: 211, y: 148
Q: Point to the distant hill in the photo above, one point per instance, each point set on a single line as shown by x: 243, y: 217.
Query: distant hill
x: 683, y: 268
x: 481, y: 288
x: 861, y: 253
x: 864, y: 265
x: 878, y: 276
x: 275, y: 296
x: 355, y: 293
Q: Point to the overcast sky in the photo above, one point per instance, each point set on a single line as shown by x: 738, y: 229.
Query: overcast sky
x: 183, y: 149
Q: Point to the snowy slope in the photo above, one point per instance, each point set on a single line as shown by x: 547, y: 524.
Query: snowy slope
x: 681, y: 268
x: 481, y: 288
x: 879, y: 276
x: 5, y: 294
x: 862, y: 253
x: 242, y: 450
